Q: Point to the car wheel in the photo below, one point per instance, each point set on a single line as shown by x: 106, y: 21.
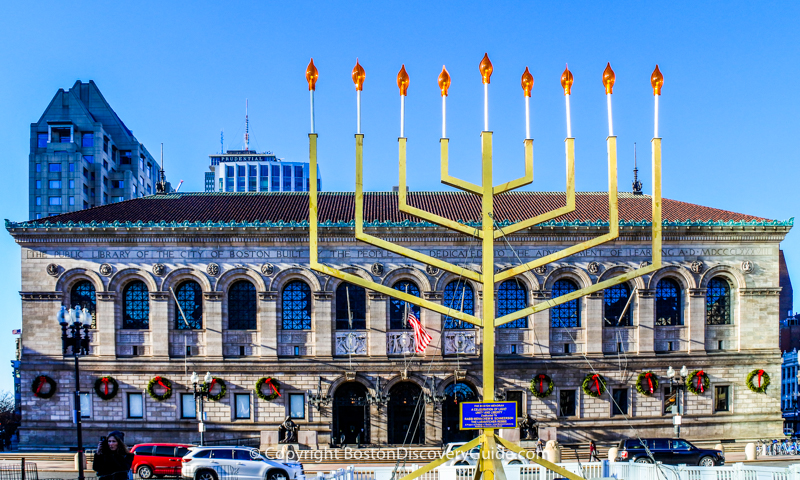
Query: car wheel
x: 144, y: 471
x: 277, y: 475
x: 643, y: 460
x: 515, y: 462
x: 461, y: 463
x: 205, y: 475
x: 707, y: 462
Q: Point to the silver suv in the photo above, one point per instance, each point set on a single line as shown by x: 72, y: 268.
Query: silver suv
x: 236, y: 463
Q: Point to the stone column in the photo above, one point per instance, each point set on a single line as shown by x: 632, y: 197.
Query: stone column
x: 159, y: 325
x: 268, y: 323
x: 645, y: 333
x: 106, y: 324
x: 432, y: 322
x: 697, y: 320
x: 323, y: 324
x: 377, y: 321
x: 541, y: 325
x: 593, y: 324
x: 213, y: 319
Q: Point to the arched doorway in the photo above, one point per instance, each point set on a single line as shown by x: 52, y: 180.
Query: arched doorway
x: 406, y: 414
x: 350, y: 414
x: 456, y: 393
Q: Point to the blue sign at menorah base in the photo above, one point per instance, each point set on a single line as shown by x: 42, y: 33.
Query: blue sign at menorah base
x: 485, y: 415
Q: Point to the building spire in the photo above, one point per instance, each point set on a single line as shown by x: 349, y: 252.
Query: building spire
x: 246, y: 127
x: 222, y: 142
x: 161, y: 186
x: 637, y: 185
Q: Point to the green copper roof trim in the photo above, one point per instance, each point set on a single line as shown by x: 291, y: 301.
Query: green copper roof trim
x: 386, y: 224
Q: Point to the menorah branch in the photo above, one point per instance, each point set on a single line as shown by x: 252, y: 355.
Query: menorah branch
x: 548, y: 465
x: 527, y: 179
x: 427, y: 468
x: 447, y: 179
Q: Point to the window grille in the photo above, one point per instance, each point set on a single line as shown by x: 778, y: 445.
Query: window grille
x: 397, y: 308
x: 136, y: 301
x: 351, y: 299
x: 296, y: 306
x: 511, y: 296
x: 614, y: 300
x: 567, y: 314
x: 459, y: 296
x: 242, y: 306
x: 190, y: 299
x: 83, y: 295
x: 668, y: 303
x: 718, y: 302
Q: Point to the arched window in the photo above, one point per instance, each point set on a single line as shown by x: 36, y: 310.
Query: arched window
x: 242, y: 306
x: 82, y: 295
x: 398, y: 310
x: 406, y: 414
x: 190, y: 299
x: 296, y: 306
x: 458, y: 295
x: 567, y: 314
x: 511, y: 296
x: 668, y: 303
x: 454, y: 394
x: 615, y: 299
x: 351, y: 307
x: 136, y: 305
x: 718, y: 302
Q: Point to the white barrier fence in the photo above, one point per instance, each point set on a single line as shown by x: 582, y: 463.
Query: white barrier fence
x: 619, y: 470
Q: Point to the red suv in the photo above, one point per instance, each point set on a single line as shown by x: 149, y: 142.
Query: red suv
x: 158, y: 459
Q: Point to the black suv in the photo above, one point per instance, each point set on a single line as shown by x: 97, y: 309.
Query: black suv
x: 670, y: 451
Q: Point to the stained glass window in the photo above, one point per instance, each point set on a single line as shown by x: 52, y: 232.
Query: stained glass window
x: 668, y: 303
x: 296, y: 306
x: 567, y: 314
x: 190, y: 299
x: 511, y: 296
x: 718, y: 302
x: 398, y: 310
x: 459, y: 296
x: 136, y: 305
x: 351, y: 300
x: 83, y: 295
x: 614, y: 300
x: 242, y: 306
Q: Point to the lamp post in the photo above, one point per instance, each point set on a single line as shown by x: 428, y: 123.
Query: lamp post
x: 318, y: 400
x: 678, y: 380
x: 201, y: 391
x: 379, y: 399
x: 75, y: 324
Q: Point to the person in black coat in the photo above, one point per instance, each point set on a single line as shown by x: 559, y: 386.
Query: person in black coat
x: 113, y: 460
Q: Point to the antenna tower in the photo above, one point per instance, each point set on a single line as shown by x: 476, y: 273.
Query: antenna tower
x: 637, y: 185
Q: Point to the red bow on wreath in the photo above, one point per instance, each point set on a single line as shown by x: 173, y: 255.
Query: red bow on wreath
x: 272, y: 386
x: 158, y: 381
x: 760, y: 373
x: 211, y: 385
x: 649, y: 381
x: 596, y: 383
x: 700, y: 381
x: 42, y: 381
x: 105, y: 384
x: 541, y: 383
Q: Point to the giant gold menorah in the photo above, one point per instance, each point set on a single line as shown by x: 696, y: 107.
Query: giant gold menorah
x: 489, y: 464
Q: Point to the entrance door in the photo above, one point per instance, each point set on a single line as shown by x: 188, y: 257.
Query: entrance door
x: 455, y: 393
x: 350, y: 414
x: 406, y: 414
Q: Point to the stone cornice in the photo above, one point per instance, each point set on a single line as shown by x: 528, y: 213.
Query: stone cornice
x: 41, y: 296
x: 213, y: 296
x: 323, y: 296
x: 763, y: 292
x: 268, y: 296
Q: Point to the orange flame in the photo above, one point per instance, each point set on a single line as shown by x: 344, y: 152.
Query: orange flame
x: 486, y: 68
x: 657, y: 81
x: 527, y: 82
x: 566, y: 81
x: 609, y: 78
x: 358, y: 76
x: 402, y: 81
x: 312, y: 74
x: 444, y: 81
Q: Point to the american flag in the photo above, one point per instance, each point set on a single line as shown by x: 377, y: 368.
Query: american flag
x: 422, y: 337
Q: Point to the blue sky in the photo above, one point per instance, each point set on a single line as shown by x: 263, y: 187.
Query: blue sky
x: 180, y: 73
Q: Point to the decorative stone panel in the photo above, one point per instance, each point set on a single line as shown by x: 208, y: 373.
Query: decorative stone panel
x: 460, y: 342
x: 561, y: 337
x: 616, y: 337
x: 180, y: 339
x: 351, y: 343
x: 400, y: 343
x: 289, y: 339
x: 127, y: 339
x: 678, y: 336
x: 234, y: 340
x: 721, y: 337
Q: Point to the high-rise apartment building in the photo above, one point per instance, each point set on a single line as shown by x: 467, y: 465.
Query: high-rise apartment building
x: 83, y: 155
x: 250, y: 171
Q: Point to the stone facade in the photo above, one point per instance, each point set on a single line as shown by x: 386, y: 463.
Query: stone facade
x: 270, y: 258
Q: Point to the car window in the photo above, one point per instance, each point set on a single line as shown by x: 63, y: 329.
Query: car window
x: 659, y: 444
x: 222, y: 454
x: 632, y: 444
x: 181, y: 451
x: 242, y: 455
x: 163, y: 451
x: 202, y: 454
x: 144, y: 450
x: 680, y: 445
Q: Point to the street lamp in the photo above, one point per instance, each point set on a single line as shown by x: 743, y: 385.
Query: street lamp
x: 318, y: 399
x: 678, y: 381
x: 201, y: 391
x: 379, y: 398
x: 75, y: 337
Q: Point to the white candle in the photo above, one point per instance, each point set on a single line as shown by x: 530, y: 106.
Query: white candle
x: 566, y: 83
x: 444, y: 117
x: 608, y: 81
x: 528, y: 117
x: 655, y: 128
x: 311, y: 77
x: 402, y: 114
x: 444, y: 85
x: 657, y: 81
x: 486, y: 107
x: 610, y: 121
x: 358, y: 111
x: 312, y: 112
x: 358, y: 80
x: 569, y: 120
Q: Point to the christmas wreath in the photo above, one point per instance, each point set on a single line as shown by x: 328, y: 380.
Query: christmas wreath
x: 273, y: 389
x: 161, y: 382
x: 647, y: 383
x: 697, y: 382
x: 223, y: 388
x: 542, y: 386
x: 594, y: 385
x: 106, y: 387
x: 38, y: 386
x: 758, y: 381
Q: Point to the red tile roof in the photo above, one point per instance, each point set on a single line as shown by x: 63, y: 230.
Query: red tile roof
x: 382, y: 207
